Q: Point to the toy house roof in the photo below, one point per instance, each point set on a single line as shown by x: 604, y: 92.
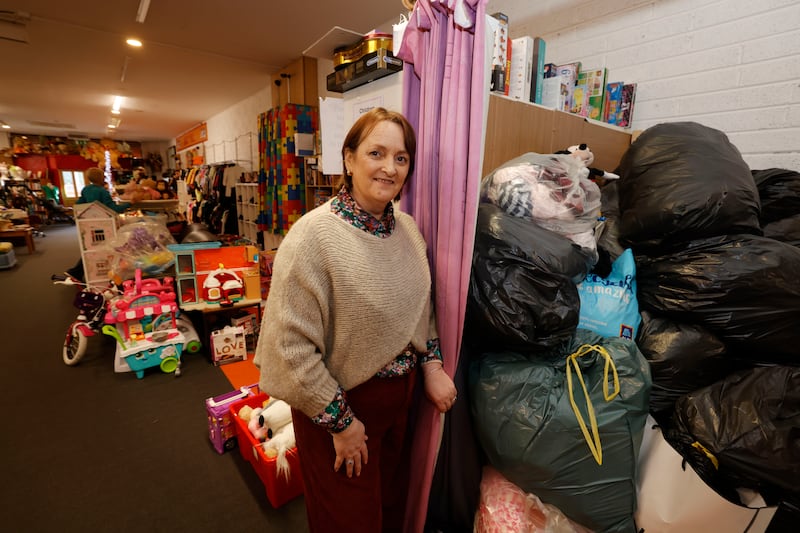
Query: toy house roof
x: 94, y: 210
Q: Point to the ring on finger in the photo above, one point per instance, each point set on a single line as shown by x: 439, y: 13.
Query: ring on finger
x: 350, y: 462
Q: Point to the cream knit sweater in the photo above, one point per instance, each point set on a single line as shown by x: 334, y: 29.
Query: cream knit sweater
x: 342, y: 304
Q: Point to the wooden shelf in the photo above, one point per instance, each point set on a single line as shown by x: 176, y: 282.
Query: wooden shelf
x: 514, y: 128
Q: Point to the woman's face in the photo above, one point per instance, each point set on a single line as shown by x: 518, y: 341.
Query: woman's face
x: 379, y: 167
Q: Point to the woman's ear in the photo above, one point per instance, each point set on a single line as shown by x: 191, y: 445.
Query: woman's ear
x: 348, y: 161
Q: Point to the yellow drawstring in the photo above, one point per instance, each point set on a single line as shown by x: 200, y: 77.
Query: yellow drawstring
x: 696, y: 445
x: 592, y: 440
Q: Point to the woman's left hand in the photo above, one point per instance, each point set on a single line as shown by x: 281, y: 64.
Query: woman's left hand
x: 439, y: 388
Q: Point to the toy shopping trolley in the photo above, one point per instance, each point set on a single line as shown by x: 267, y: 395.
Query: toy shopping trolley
x: 143, y: 322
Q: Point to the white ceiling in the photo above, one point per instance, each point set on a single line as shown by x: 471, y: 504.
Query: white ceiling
x: 199, y: 58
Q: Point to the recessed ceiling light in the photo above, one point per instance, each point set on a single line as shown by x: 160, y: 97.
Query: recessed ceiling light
x: 134, y: 42
x: 6, y: 127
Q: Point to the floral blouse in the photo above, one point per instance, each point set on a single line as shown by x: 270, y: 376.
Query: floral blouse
x: 338, y: 415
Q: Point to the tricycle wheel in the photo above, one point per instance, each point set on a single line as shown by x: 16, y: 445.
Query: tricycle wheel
x: 74, y: 344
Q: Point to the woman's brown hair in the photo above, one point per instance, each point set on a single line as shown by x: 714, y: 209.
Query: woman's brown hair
x: 96, y: 176
x: 365, y: 124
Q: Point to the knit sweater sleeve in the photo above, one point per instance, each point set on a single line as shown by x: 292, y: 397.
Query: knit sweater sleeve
x: 291, y: 342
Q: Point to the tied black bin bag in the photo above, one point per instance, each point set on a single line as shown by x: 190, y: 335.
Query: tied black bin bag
x: 683, y: 358
x: 681, y: 181
x: 744, y: 431
x: 523, y: 294
x: 744, y: 289
x: 567, y: 426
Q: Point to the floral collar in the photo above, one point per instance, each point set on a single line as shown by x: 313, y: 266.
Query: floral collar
x: 346, y: 208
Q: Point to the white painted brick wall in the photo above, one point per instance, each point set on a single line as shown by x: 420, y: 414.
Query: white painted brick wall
x: 733, y: 65
x: 233, y: 134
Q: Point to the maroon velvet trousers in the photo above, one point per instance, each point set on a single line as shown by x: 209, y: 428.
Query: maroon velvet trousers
x: 375, y: 500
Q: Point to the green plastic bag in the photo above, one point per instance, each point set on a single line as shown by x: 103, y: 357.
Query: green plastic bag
x: 575, y: 451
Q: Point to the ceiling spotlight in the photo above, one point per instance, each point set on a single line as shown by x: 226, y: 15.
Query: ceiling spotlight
x: 136, y: 43
x: 141, y: 14
x: 5, y: 126
x: 117, y: 105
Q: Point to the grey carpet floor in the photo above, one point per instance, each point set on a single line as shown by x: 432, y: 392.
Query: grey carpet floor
x: 86, y: 449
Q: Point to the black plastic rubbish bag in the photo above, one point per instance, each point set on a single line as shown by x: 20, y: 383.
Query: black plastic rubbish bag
x: 608, y: 228
x: 749, y: 423
x: 531, y: 434
x: 523, y: 294
x: 683, y: 358
x: 681, y: 181
x: 779, y: 191
x: 785, y: 230
x: 742, y: 288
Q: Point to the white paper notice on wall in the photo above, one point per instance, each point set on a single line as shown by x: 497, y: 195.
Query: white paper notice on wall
x: 331, y: 125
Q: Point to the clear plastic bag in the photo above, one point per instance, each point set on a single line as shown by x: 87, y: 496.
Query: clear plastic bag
x: 141, y: 245
x: 553, y: 190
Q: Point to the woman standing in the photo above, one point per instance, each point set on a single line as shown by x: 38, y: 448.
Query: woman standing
x: 349, y: 323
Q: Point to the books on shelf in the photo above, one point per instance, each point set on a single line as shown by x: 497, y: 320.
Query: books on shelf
x: 593, y: 83
x: 551, y: 93
x: 569, y: 74
x: 522, y: 68
x: 537, y: 78
x: 626, y: 107
x: 580, y: 100
x: 612, y: 102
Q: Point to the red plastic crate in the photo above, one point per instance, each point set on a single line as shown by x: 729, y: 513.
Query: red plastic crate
x: 279, y: 490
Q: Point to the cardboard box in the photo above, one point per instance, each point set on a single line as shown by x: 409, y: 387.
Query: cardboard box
x: 247, y: 318
x: 279, y: 489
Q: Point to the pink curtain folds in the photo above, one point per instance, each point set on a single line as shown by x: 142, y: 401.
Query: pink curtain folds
x: 444, y: 98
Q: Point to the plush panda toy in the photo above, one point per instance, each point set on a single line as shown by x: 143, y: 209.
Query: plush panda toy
x: 585, y: 155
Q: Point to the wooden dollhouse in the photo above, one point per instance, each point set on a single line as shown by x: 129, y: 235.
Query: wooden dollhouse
x: 97, y: 225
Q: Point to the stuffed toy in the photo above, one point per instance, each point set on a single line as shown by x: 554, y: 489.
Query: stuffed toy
x: 585, y: 155
x: 164, y: 190
x: 280, y: 443
x: 275, y: 416
x: 265, y: 422
x: 149, y: 190
x: 255, y: 425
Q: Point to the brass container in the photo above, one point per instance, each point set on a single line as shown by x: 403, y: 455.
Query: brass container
x: 372, y: 42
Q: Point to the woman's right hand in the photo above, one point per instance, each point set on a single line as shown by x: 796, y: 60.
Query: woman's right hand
x: 351, y: 448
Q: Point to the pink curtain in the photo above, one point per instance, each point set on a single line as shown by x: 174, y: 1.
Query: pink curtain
x: 444, y: 98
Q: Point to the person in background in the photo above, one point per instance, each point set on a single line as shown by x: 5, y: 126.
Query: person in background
x: 52, y: 201
x: 51, y: 192
x: 349, y: 325
x: 95, y: 191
